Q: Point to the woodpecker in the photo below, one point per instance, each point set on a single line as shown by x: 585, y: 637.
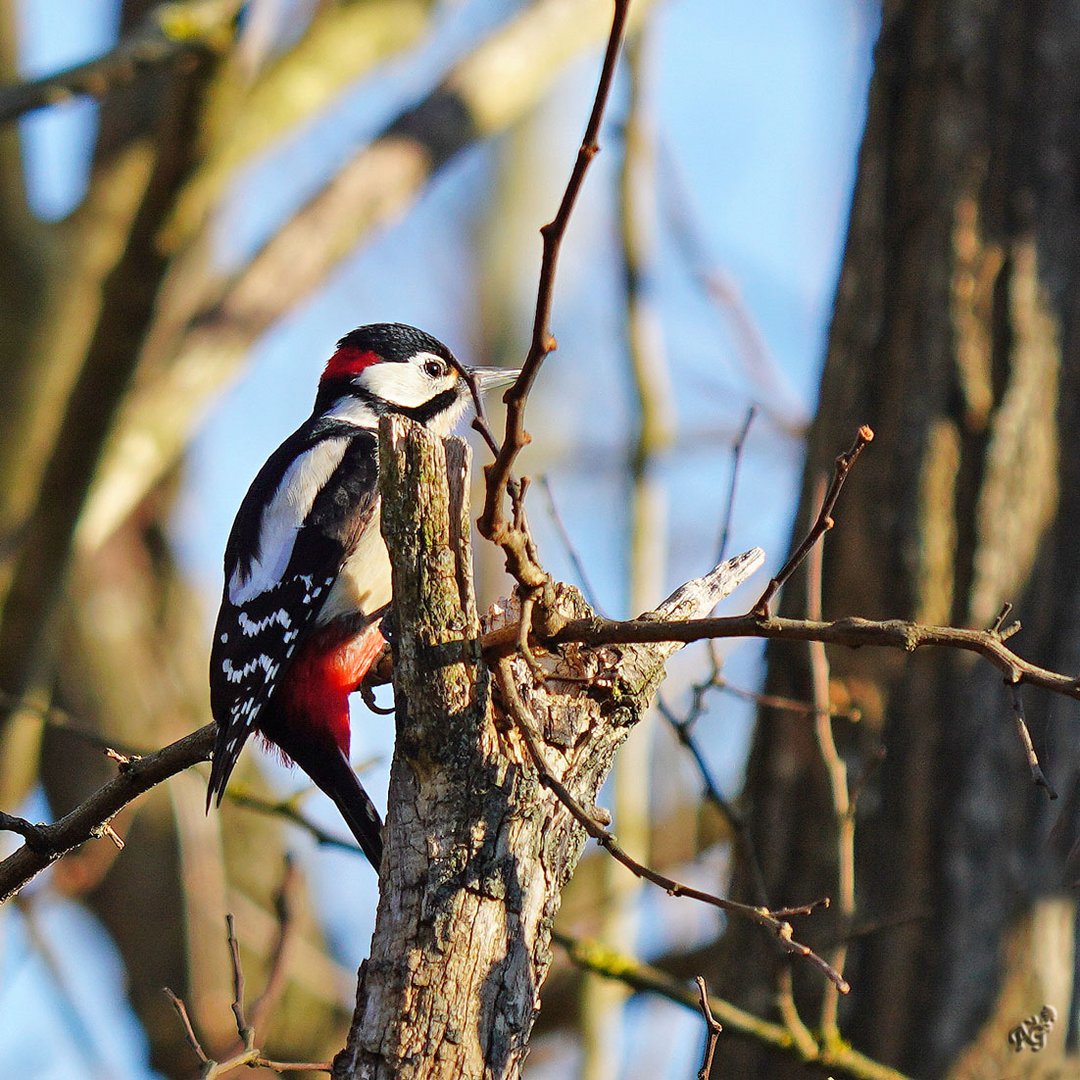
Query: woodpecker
x: 307, y: 575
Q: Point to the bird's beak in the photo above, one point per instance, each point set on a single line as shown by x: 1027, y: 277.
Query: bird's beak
x: 493, y: 378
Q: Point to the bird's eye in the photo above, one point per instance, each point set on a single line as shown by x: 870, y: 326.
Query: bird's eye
x: 435, y: 368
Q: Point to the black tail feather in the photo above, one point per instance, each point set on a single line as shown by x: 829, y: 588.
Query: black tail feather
x: 226, y: 752
x: 331, y: 771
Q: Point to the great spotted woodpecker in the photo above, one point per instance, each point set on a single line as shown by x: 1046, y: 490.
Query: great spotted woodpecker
x: 307, y: 576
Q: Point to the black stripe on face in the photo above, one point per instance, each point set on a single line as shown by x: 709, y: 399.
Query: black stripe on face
x: 424, y: 414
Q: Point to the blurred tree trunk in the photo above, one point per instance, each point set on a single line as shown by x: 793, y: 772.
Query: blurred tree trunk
x: 954, y: 336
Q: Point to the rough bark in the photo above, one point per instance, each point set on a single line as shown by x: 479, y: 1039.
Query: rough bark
x: 954, y: 337
x: 477, y: 849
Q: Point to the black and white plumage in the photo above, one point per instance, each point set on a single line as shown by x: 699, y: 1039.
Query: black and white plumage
x: 307, y: 576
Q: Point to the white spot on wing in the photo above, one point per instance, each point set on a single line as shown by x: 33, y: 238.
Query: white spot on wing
x: 250, y: 627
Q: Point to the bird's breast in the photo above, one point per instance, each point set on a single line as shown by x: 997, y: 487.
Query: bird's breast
x: 363, y: 582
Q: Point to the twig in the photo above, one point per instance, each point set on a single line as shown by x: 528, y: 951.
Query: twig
x: 842, y: 1061
x: 279, y: 955
x: 151, y: 769
x: 780, y: 929
x: 836, y: 773
x: 737, y: 449
x: 783, y: 704
x: 587, y: 589
x: 243, y: 1029
x: 999, y: 622
x: 284, y: 808
x: 250, y: 1055
x: 1038, y: 777
x: 62, y: 720
x: 89, y: 817
x: 206, y: 27
x: 185, y: 1020
x: 684, y: 732
x: 822, y: 524
x: 713, y: 1027
x: 34, y: 835
x: 851, y: 632
x: 492, y: 523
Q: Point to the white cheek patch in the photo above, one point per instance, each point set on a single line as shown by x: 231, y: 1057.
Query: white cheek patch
x: 284, y: 515
x: 406, y: 384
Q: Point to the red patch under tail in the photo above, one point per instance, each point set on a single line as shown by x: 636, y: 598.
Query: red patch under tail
x: 314, y: 697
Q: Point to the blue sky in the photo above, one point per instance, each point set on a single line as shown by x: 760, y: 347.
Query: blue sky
x: 761, y: 104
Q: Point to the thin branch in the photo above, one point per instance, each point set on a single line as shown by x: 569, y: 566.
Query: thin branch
x: 34, y: 835
x: 841, y: 1062
x: 1038, y: 777
x: 285, y: 808
x: 683, y: 727
x: 243, y: 1028
x: 737, y: 449
x: 852, y: 632
x: 572, y: 554
x: 713, y: 1028
x: 90, y: 817
x: 170, y: 33
x: 837, y: 775
x: 822, y: 524
x: 250, y: 1055
x: 189, y: 1030
x: 777, y: 926
x: 493, y: 524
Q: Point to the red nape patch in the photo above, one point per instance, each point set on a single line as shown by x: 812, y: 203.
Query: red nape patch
x: 347, y: 362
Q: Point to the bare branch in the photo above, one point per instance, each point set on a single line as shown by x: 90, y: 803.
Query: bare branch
x: 493, y: 524
x: 1038, y: 777
x: 822, y: 524
x: 837, y: 775
x: 90, y: 818
x: 713, y: 1027
x: 250, y: 1055
x: 737, y: 450
x: 840, y: 1061
x: 170, y: 33
x: 572, y: 553
x: 781, y: 929
x: 185, y: 1020
x: 852, y: 632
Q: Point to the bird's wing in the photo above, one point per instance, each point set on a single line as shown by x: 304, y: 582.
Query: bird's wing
x: 281, y: 563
